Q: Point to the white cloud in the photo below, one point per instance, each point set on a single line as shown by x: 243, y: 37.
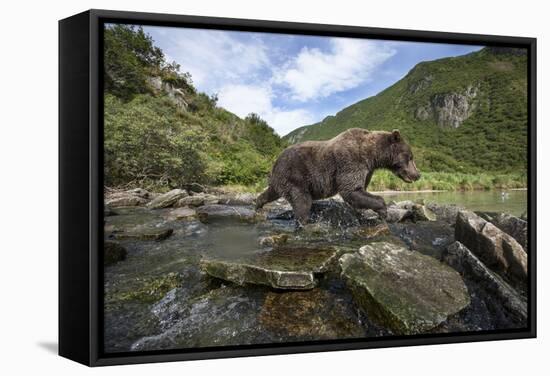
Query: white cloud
x: 252, y: 73
x: 214, y: 57
x: 317, y: 74
x: 244, y: 99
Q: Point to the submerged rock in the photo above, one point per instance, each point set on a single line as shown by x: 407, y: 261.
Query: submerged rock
x: 179, y: 214
x: 273, y: 240
x: 215, y: 212
x: 281, y: 268
x: 220, y: 317
x: 466, y: 263
x: 370, y: 232
x: 402, y: 290
x: 498, y: 250
x: 145, y: 234
x: 113, y: 252
x: 313, y: 314
x: 167, y: 199
x: 427, y: 237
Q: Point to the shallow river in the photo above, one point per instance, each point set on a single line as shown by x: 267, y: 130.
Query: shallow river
x: 513, y: 202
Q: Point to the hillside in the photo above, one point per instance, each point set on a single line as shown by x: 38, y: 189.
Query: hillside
x: 465, y: 114
x: 160, y: 132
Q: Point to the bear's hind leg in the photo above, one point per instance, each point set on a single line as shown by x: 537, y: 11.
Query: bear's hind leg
x: 301, y: 205
x: 267, y: 196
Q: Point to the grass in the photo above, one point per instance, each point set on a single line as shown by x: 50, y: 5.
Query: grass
x: 384, y: 180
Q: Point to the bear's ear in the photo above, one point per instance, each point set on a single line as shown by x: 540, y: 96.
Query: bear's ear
x: 395, y: 135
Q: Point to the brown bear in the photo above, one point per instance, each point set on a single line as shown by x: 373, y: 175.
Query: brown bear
x: 314, y: 170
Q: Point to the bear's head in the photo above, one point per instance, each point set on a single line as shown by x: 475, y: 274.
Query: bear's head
x: 401, y: 158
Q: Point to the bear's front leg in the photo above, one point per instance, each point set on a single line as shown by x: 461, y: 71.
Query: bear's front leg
x: 361, y: 199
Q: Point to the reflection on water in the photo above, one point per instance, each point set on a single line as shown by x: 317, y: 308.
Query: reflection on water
x: 513, y: 202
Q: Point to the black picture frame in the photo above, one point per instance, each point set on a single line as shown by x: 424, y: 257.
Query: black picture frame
x: 81, y: 193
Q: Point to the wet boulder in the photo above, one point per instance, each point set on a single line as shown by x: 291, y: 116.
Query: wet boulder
x: 332, y: 212
x: 422, y: 213
x: 404, y: 291
x: 217, y: 213
x: 396, y: 214
x: 292, y: 268
x: 504, y: 297
x: 167, y: 199
x: 113, y: 253
x: 495, y: 248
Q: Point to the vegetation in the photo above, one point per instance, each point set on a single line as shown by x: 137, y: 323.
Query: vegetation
x: 151, y: 142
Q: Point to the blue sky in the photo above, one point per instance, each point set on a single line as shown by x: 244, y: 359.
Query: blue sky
x: 291, y: 80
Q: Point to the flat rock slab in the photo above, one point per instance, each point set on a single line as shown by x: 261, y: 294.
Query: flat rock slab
x: 291, y: 268
x: 181, y: 214
x: 402, y: 290
x: 147, y: 234
x: 215, y: 212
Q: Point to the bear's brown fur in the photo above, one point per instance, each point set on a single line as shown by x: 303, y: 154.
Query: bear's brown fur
x: 314, y: 170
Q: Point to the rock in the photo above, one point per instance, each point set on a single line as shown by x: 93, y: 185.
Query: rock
x: 313, y: 314
x: 220, y: 317
x: 407, y: 205
x: 466, y: 263
x: 513, y: 226
x: 395, y: 214
x: 179, y: 214
x: 281, y: 268
x: 167, y: 199
x: 370, y: 232
x: 427, y: 237
x: 113, y: 252
x: 216, y: 212
x: 332, y: 212
x: 129, y: 200
x: 421, y: 213
x: 449, y: 109
x: 403, y: 290
x: 498, y: 250
x: 273, y: 240
x: 197, y: 199
x: 238, y: 199
x: 445, y: 212
x: 146, y: 234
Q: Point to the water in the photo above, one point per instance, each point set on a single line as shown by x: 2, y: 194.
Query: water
x: 158, y: 298
x: 512, y: 202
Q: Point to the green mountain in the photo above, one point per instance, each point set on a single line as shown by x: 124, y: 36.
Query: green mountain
x: 160, y: 132
x: 465, y: 114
